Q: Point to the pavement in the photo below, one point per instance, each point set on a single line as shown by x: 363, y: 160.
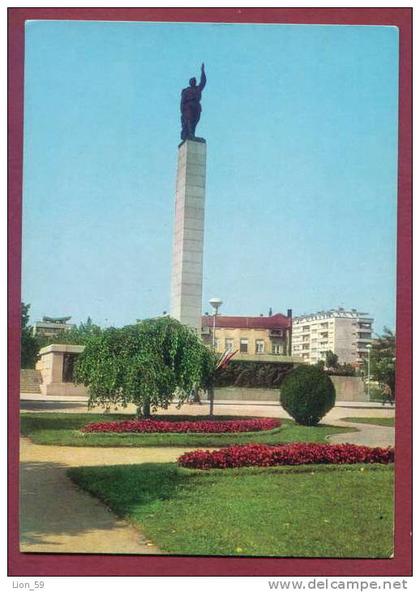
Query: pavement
x: 78, y: 404
x: 56, y: 516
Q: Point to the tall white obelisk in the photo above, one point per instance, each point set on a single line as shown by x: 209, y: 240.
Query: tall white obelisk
x: 187, y: 257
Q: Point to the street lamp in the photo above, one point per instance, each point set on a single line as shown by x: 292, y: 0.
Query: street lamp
x: 215, y: 303
x: 369, y: 347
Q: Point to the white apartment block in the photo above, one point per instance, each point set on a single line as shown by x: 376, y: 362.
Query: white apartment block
x: 345, y: 333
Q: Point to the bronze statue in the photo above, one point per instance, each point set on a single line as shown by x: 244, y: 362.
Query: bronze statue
x: 190, y: 106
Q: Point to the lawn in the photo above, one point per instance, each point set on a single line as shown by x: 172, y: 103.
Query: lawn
x: 63, y: 429
x: 323, y: 511
x: 381, y: 421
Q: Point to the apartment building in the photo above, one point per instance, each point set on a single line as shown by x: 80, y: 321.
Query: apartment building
x: 250, y: 336
x: 347, y: 333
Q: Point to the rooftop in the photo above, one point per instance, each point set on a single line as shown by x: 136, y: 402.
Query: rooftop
x: 335, y: 313
x: 275, y: 321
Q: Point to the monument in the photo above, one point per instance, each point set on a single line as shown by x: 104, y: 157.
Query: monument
x: 187, y: 257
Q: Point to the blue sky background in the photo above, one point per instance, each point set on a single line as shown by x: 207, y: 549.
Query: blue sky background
x: 301, y: 128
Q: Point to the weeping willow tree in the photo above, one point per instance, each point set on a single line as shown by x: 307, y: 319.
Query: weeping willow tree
x: 147, y: 364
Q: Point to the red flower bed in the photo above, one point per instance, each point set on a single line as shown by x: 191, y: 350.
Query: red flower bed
x: 297, y: 453
x: 204, y: 426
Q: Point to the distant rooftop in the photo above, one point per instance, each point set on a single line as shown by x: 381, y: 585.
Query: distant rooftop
x: 55, y: 319
x: 335, y: 313
x: 275, y: 321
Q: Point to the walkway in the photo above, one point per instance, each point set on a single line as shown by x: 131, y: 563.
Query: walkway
x: 367, y: 434
x: 58, y: 517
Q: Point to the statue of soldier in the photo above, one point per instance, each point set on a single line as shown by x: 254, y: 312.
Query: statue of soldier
x: 190, y: 106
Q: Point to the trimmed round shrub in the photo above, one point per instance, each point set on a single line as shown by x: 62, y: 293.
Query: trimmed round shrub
x: 307, y: 394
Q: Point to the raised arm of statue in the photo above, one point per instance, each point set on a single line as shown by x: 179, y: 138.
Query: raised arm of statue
x: 203, y: 78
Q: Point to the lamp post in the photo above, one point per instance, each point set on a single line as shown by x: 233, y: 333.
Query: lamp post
x: 215, y: 304
x: 369, y: 347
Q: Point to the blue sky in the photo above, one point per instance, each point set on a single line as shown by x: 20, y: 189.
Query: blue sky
x: 301, y: 130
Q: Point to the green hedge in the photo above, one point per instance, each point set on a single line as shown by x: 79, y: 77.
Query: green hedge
x: 253, y: 374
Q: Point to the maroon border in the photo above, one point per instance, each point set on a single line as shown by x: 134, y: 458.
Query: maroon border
x: 20, y: 564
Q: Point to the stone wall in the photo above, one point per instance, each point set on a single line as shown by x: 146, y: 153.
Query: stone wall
x: 348, y: 388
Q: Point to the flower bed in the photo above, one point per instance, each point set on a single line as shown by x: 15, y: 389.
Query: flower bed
x: 298, y: 453
x: 182, y: 427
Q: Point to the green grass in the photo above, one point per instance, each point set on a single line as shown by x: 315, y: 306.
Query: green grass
x: 381, y: 421
x: 323, y: 511
x: 63, y: 429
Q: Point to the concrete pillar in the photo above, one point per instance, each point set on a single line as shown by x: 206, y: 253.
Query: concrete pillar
x: 187, y: 258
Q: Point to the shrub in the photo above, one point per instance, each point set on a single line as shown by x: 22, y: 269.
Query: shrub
x: 297, y: 453
x: 253, y: 374
x: 160, y: 426
x: 307, y: 394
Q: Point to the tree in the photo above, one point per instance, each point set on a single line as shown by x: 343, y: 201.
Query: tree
x: 331, y: 359
x: 28, y: 343
x: 382, y: 360
x: 146, y: 364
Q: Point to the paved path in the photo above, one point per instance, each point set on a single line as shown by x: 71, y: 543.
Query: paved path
x: 37, y: 403
x: 367, y: 434
x: 58, y: 517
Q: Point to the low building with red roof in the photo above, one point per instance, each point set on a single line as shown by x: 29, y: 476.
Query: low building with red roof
x: 248, y: 335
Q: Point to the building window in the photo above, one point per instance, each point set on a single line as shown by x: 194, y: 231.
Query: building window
x: 229, y: 345
x: 216, y: 344
x: 243, y: 346
x: 259, y: 346
x: 277, y: 348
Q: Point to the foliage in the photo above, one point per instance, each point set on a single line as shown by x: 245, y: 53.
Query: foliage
x: 297, y: 453
x: 197, y: 426
x: 333, y: 367
x: 342, y: 370
x: 307, y: 394
x: 382, y: 360
x: 28, y: 343
x: 76, y: 335
x: 315, y: 511
x: 146, y: 364
x: 64, y: 429
x: 331, y: 359
x: 252, y: 374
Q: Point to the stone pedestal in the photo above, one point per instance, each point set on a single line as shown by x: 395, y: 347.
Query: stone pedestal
x: 51, y: 367
x: 187, y: 263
